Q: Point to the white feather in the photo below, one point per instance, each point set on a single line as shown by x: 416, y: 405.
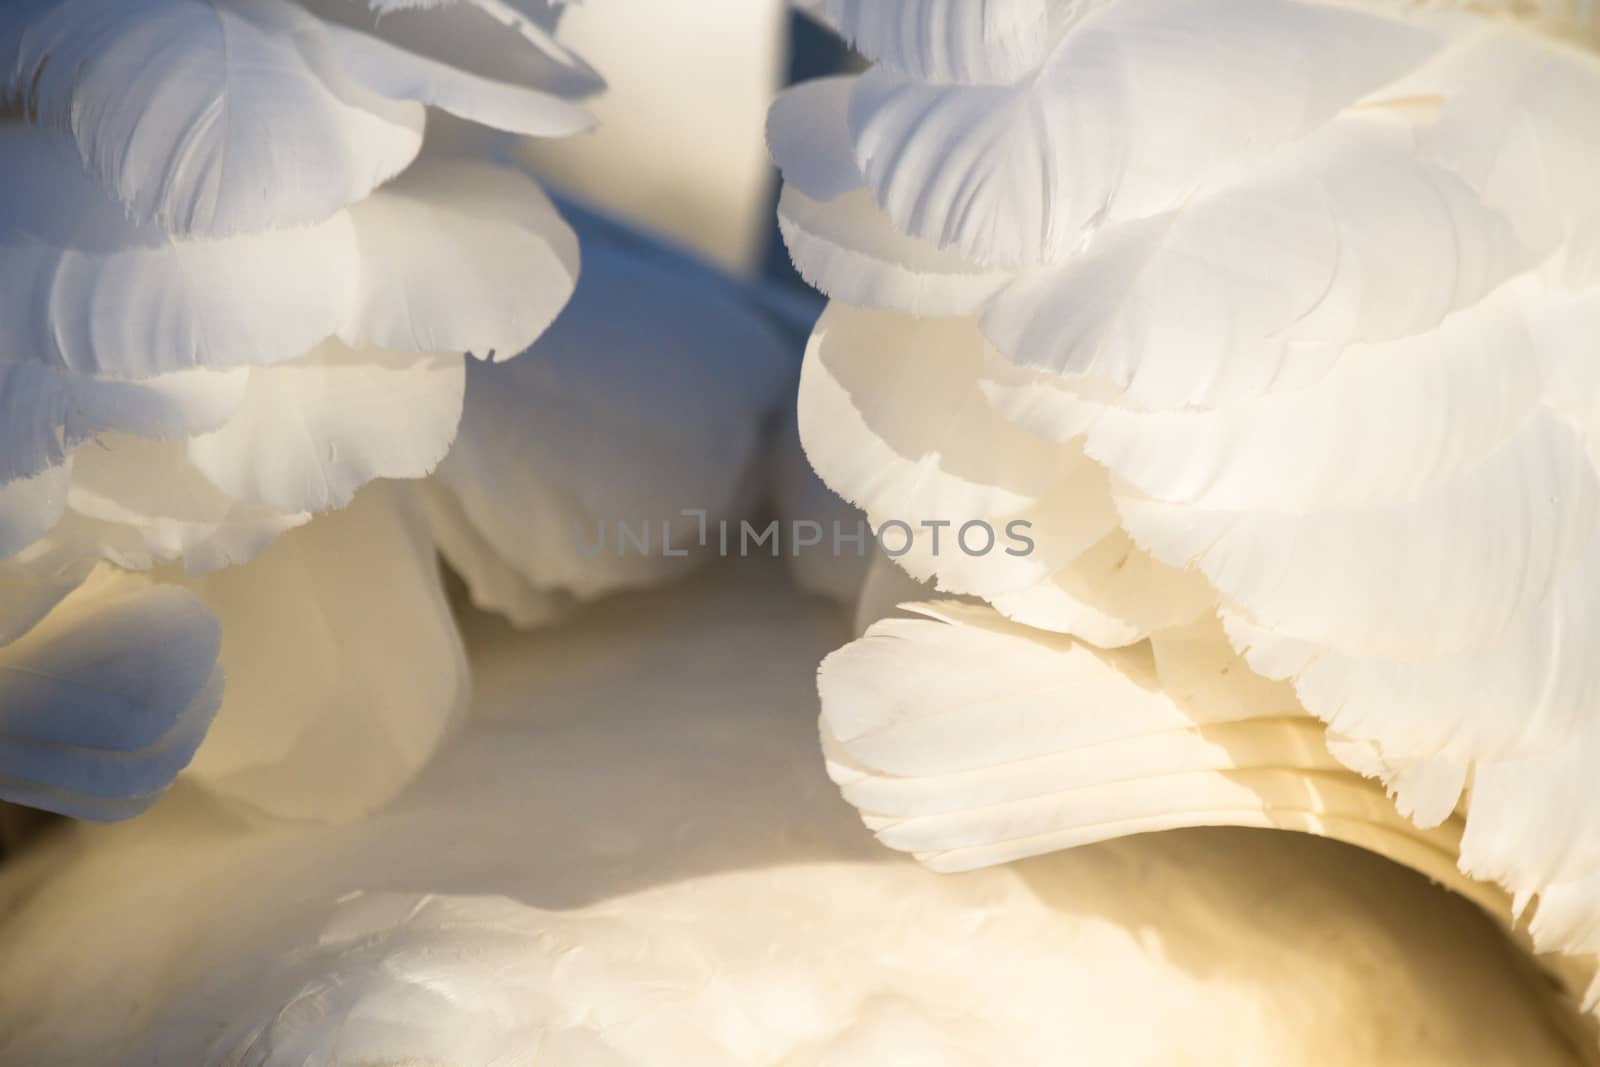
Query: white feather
x: 970, y: 740
x: 1112, y: 595
x: 848, y: 249
x: 398, y: 74
x: 716, y: 905
x: 952, y: 40
x: 892, y: 418
x: 459, y: 255
x: 167, y: 101
x: 810, y: 140
x: 84, y: 289
x: 1260, y: 280
x: 647, y: 405
x: 104, y: 703
x: 1387, y: 423
x: 233, y: 291
x: 1126, y: 116
x: 471, y: 37
x: 151, y: 492
x: 30, y: 505
x: 314, y: 430
x: 345, y: 670
x: 1328, y: 329
x: 46, y: 412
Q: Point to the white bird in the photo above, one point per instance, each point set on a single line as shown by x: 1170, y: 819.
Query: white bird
x: 632, y: 856
x: 1273, y: 323
x: 235, y: 286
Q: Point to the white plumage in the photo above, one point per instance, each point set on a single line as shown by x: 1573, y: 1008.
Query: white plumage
x: 235, y: 287
x: 1277, y: 313
x: 345, y: 668
x: 630, y: 856
x: 88, y: 698
x: 1269, y: 320
x: 258, y: 305
x: 646, y: 408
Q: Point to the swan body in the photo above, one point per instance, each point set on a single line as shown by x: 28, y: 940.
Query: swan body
x: 630, y: 854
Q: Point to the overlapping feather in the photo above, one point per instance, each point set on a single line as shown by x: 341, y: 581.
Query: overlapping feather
x: 237, y: 288
x: 715, y: 906
x: 1312, y: 287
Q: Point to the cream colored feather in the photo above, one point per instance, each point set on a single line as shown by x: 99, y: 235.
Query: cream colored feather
x: 237, y: 282
x: 1310, y: 287
x: 631, y: 856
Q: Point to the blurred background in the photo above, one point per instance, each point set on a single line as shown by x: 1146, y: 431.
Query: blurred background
x: 690, y: 163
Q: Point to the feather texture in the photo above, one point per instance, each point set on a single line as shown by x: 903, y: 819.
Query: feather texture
x: 105, y: 702
x: 949, y: 40
x: 716, y: 905
x: 234, y: 289
x: 1326, y: 331
x: 643, y: 412
x: 312, y: 431
x: 1125, y: 116
x: 166, y: 100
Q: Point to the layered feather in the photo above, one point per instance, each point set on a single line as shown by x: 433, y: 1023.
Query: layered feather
x: 237, y: 289
x: 631, y: 856
x: 166, y: 100
x: 1326, y: 332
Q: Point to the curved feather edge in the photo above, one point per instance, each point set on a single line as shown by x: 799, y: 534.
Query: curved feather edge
x: 951, y: 40
x: 645, y: 411
x: 355, y: 599
x: 163, y: 99
x: 107, y: 699
x: 969, y: 740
